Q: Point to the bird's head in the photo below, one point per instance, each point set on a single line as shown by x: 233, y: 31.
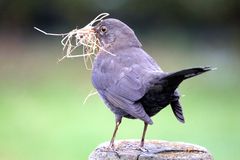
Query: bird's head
x: 114, y: 34
x: 108, y: 35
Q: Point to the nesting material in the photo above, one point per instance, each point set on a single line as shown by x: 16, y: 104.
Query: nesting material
x: 85, y: 38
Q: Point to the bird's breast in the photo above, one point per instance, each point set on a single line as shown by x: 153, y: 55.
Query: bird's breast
x: 105, y: 71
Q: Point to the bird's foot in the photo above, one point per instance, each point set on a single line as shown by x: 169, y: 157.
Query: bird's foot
x: 111, y: 144
x: 109, y: 148
x: 141, y: 149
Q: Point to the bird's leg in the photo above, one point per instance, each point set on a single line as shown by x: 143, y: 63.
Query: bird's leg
x: 144, y: 133
x: 118, y: 122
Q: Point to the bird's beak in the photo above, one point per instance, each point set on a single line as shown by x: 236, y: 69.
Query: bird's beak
x: 95, y: 29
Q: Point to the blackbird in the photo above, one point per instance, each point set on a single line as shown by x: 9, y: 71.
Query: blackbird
x: 129, y: 81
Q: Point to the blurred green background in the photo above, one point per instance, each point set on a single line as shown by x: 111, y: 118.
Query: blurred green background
x: 42, y: 116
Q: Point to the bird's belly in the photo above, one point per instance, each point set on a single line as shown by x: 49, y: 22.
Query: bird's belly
x: 152, y: 104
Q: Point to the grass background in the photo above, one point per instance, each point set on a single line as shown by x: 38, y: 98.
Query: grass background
x: 42, y: 116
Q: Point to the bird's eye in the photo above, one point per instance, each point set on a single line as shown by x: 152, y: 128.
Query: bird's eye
x: 103, y: 29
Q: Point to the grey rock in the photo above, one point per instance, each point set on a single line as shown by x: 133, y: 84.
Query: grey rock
x: 153, y: 150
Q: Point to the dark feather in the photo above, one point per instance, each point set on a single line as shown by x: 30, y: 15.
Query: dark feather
x: 177, y: 110
x: 172, y: 80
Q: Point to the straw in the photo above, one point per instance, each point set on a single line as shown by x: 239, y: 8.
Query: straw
x: 85, y: 38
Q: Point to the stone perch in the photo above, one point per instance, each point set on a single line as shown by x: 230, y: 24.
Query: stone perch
x: 153, y: 150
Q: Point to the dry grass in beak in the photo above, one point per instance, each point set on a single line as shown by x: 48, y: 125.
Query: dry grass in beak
x: 85, y: 38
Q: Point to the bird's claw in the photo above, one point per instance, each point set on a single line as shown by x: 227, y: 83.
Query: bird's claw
x: 108, y: 149
x: 111, y: 146
x: 141, y: 149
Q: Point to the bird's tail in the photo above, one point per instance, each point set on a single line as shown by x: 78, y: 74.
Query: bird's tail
x: 174, y: 79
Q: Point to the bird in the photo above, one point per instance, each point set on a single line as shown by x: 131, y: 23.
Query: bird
x: 129, y: 81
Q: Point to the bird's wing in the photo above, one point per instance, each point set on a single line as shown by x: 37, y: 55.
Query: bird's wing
x: 130, y: 85
x: 124, y: 79
x: 134, y: 109
x: 126, y: 91
x: 135, y: 70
